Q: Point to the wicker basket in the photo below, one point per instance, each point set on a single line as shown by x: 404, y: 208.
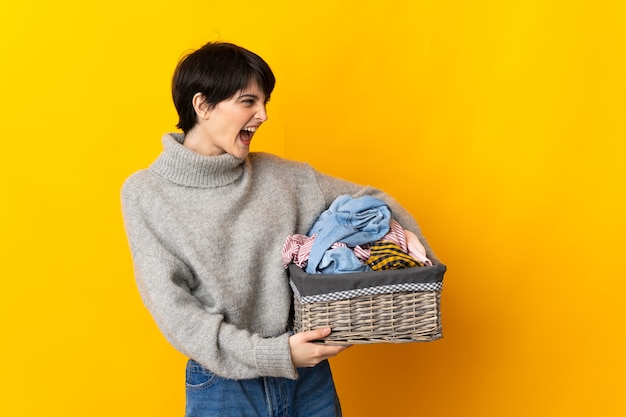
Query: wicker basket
x: 392, y: 306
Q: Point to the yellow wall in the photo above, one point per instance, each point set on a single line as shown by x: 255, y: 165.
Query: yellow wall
x: 499, y: 124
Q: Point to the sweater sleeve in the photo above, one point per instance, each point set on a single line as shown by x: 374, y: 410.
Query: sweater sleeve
x: 333, y: 187
x: 166, y: 287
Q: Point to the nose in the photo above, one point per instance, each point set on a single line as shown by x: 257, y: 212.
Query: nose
x: 261, y: 113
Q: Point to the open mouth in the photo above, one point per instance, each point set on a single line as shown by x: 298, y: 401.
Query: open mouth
x: 246, y: 133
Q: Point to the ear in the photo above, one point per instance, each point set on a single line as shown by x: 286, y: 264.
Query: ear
x: 202, y: 108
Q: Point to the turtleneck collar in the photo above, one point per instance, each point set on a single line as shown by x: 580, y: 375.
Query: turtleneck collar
x: 186, y: 167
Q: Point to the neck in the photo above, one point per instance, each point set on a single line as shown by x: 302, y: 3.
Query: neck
x: 197, y: 142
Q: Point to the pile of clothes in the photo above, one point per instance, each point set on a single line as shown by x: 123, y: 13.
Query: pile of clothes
x: 354, y: 235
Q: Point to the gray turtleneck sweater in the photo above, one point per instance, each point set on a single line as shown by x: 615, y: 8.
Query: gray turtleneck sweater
x: 206, y: 235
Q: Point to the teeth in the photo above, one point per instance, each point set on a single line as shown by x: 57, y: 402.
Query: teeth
x: 249, y: 129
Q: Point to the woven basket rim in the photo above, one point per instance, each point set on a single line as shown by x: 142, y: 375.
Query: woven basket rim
x: 316, y: 284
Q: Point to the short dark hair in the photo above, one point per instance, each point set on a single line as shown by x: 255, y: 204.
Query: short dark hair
x: 218, y: 70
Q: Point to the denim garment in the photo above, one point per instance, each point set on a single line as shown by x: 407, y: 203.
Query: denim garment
x: 354, y: 221
x: 311, y: 395
x: 340, y: 261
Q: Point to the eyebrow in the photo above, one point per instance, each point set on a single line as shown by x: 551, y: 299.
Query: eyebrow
x: 249, y: 95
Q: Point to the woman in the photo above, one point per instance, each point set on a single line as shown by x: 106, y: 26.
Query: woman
x: 206, y: 223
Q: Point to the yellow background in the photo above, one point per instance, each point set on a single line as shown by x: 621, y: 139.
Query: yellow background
x: 498, y: 124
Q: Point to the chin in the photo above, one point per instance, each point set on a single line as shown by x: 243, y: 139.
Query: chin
x: 241, y: 154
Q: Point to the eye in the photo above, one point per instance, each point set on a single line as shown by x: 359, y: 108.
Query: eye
x: 248, y: 102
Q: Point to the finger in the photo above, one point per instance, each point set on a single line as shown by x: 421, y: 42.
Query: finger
x: 335, y: 350
x: 315, y: 334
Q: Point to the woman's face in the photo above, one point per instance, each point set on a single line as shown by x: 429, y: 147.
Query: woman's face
x: 230, y: 125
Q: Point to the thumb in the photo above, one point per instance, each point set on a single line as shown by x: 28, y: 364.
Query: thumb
x: 315, y: 334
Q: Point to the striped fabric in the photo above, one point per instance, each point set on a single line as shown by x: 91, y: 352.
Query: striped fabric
x: 396, y: 235
x: 296, y: 249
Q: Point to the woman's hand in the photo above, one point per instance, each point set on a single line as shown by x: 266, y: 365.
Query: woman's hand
x: 307, y: 354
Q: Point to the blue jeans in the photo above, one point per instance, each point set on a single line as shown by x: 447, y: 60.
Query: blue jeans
x: 311, y: 395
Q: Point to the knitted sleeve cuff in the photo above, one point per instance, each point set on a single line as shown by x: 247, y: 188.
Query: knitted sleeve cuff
x: 273, y: 357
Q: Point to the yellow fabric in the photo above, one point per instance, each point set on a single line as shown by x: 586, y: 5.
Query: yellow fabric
x: 388, y: 255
